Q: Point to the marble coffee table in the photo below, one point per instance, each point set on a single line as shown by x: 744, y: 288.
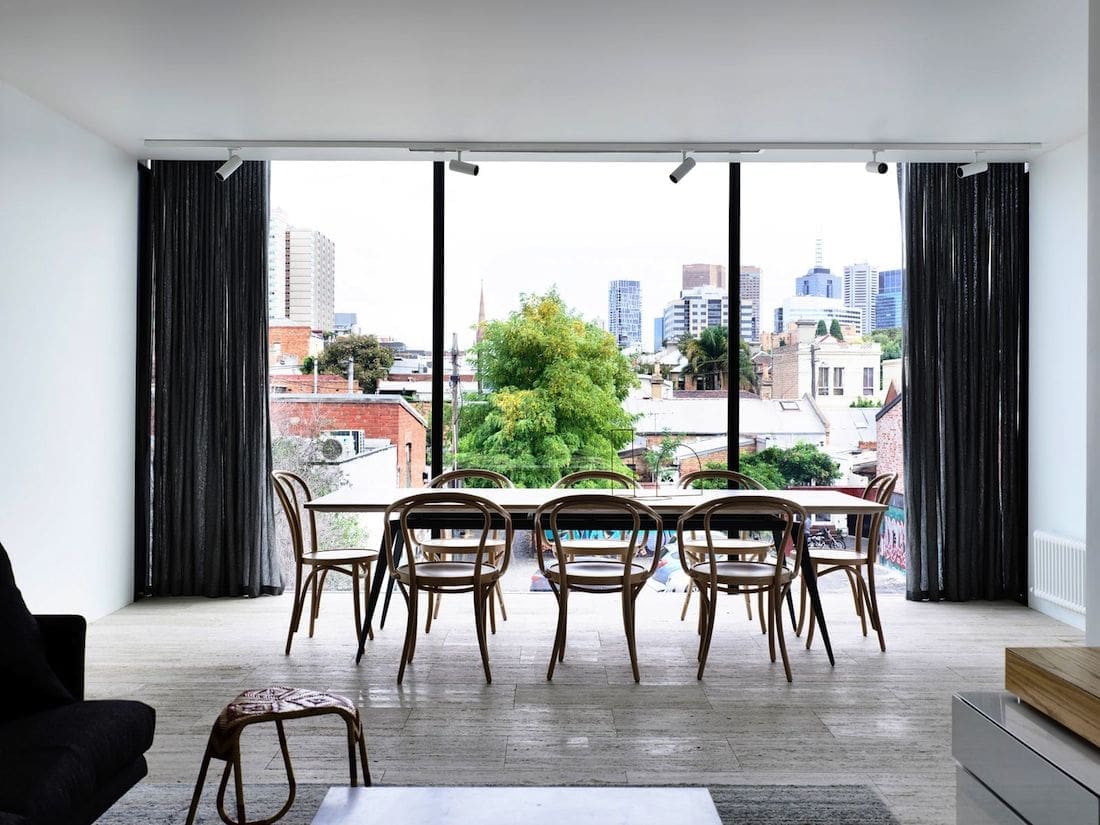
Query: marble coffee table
x: 509, y: 806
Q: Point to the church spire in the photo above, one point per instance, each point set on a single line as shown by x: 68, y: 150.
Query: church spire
x: 481, y: 316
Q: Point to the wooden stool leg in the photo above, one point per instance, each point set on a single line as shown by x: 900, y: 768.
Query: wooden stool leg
x: 289, y: 772
x: 361, y: 739
x: 198, y: 787
x: 233, y: 764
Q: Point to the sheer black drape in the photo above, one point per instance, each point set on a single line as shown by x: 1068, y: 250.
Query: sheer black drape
x: 212, y: 531
x: 965, y: 400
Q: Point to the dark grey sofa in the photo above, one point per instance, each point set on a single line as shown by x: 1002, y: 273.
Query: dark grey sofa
x: 63, y: 760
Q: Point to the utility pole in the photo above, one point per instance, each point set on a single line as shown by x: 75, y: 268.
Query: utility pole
x: 813, y: 372
x: 351, y: 374
x: 455, y: 398
x: 315, y: 375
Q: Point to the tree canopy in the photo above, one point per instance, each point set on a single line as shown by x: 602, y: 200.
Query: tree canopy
x: 556, y: 386
x: 821, y: 328
x: 372, y: 360
x: 835, y: 331
x: 798, y: 465
x: 708, y: 360
x: 890, y: 341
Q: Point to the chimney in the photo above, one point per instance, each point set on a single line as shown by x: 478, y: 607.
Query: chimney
x: 656, y: 387
x: 806, y: 331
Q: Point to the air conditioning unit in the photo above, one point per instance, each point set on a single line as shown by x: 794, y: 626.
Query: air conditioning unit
x: 338, y: 445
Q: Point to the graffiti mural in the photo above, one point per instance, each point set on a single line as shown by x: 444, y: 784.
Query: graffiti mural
x: 891, y: 546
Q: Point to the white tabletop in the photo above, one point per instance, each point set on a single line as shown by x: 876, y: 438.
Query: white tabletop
x: 508, y: 806
x: 527, y: 500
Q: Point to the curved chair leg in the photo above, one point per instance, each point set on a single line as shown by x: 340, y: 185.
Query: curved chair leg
x: 761, y: 613
x: 410, y: 632
x: 492, y: 613
x: 710, y: 600
x: 314, y: 602
x: 295, y: 614
x: 687, y: 600
x: 771, y: 626
x: 872, y: 607
x: 481, y: 597
x: 232, y: 764
x: 430, y: 611
x: 500, y: 601
x: 775, y: 598
x: 559, y: 635
x: 363, y: 750
x: 854, y: 581
x: 801, y: 607
x: 748, y: 605
x: 810, y: 630
x: 355, y: 738
x: 628, y: 627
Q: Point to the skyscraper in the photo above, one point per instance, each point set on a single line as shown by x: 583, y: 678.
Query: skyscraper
x: 276, y: 265
x: 658, y: 332
x: 310, y: 278
x: 624, y: 312
x: 750, y: 291
x: 860, y: 289
x: 890, y: 301
x: 696, y: 275
x: 696, y: 309
x: 819, y: 282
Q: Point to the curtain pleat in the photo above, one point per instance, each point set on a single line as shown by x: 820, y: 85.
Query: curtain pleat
x: 212, y: 503
x: 965, y: 399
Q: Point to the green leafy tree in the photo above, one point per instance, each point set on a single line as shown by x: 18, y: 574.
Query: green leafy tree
x: 798, y: 465
x: 707, y: 357
x: 747, y: 379
x: 821, y: 328
x: 372, y: 361
x: 555, y: 404
x: 890, y: 341
x: 834, y: 330
x: 758, y: 471
x: 659, y: 459
x: 307, y: 365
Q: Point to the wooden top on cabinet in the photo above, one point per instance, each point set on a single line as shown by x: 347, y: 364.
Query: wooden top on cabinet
x: 1061, y: 682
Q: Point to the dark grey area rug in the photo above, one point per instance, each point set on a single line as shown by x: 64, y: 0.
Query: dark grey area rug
x: 167, y: 804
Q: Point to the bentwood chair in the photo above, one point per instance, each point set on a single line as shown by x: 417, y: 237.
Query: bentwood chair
x: 772, y: 576
x: 596, y: 565
x: 293, y: 493
x: 451, y: 545
x: 612, y: 478
x: 482, y: 566
x: 740, y: 546
x: 854, y: 562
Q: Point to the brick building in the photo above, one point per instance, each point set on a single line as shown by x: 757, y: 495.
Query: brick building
x: 891, y: 459
x: 299, y: 383
x: 375, y: 416
x: 289, y: 342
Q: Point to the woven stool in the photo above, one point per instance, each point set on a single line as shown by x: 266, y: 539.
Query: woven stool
x: 273, y: 704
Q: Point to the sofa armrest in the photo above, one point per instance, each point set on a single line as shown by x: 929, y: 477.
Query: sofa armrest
x: 63, y: 637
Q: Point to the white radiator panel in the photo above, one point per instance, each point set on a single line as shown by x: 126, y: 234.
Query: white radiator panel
x: 1057, y: 574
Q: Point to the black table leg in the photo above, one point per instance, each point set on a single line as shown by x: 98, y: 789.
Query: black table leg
x: 809, y: 576
x: 389, y: 585
x: 381, y: 570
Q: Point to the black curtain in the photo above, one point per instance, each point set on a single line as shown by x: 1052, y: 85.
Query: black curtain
x: 212, y: 516
x: 965, y: 399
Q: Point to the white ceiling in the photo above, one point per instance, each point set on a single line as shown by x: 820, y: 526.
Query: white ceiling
x: 559, y: 70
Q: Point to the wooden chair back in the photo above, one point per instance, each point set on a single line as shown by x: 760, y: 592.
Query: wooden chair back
x: 448, y: 509
x: 557, y: 520
x: 734, y: 479
x: 293, y: 493
x: 879, y: 490
x: 449, y: 478
x: 787, y: 516
x: 573, y: 479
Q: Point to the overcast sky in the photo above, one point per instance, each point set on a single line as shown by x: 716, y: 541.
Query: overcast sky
x: 524, y: 227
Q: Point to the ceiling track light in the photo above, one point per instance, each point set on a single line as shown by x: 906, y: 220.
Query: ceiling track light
x: 224, y: 171
x: 459, y: 165
x: 974, y: 168
x: 686, y: 165
x: 876, y: 166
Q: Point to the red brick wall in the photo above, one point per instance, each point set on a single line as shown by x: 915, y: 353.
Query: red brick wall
x: 377, y: 420
x: 326, y: 384
x: 891, y: 459
x: 293, y: 340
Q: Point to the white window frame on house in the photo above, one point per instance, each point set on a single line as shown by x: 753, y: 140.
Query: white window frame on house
x: 822, y: 380
x: 838, y: 380
x: 868, y: 374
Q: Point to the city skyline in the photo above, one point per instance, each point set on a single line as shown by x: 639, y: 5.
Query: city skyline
x: 589, y: 223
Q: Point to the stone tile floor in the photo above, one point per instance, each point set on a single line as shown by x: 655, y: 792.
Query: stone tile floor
x: 876, y: 718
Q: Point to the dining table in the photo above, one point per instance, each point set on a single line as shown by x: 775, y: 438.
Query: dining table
x: 521, y: 503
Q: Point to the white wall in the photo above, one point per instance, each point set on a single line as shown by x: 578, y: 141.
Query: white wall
x: 1057, y: 374
x: 1092, y: 601
x: 68, y: 238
